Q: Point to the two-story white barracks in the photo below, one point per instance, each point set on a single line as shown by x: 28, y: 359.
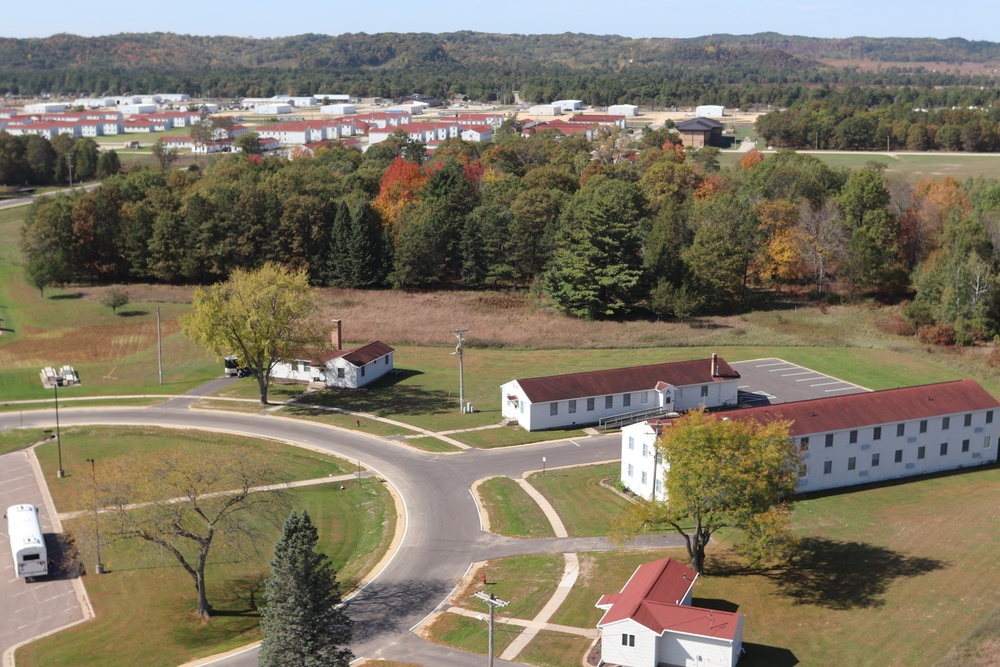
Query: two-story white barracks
x: 854, y: 439
x: 560, y: 401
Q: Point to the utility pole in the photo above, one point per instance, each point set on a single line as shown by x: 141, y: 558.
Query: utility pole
x: 69, y: 162
x: 159, y: 345
x: 494, y: 602
x: 461, y: 367
x: 97, y: 529
x: 60, y: 473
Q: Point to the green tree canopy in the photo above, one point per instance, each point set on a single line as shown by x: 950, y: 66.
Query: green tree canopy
x: 723, y: 474
x: 302, y: 621
x: 262, y: 316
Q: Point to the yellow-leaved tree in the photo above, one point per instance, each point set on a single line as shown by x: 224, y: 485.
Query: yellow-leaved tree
x: 722, y: 474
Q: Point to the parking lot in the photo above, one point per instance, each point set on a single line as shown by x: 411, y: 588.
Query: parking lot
x: 30, y: 609
x: 770, y: 381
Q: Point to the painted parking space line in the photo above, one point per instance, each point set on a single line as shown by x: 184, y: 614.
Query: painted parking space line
x: 776, y: 363
x: 818, y: 377
x: 786, y: 375
x: 775, y: 370
x: 827, y: 384
x: 841, y: 389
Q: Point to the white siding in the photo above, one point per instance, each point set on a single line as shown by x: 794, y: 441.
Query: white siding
x: 694, y: 651
x: 298, y: 371
x: 643, y: 654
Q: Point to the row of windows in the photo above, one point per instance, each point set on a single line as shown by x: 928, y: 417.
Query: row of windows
x: 630, y: 472
x: 609, y: 403
x: 897, y: 457
x: 852, y: 436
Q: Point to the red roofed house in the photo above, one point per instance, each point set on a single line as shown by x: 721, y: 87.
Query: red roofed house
x: 651, y: 622
x: 854, y: 438
x: 348, y: 369
x: 559, y: 401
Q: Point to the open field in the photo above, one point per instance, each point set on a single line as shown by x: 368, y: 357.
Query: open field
x: 145, y: 604
x: 911, y: 166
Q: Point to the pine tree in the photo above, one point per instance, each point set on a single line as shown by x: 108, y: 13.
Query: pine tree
x: 302, y: 622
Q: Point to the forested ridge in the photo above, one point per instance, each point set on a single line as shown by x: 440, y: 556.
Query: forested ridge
x: 611, y: 228
x: 738, y: 71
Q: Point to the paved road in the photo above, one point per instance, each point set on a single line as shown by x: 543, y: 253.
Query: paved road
x: 24, y: 201
x: 442, y: 535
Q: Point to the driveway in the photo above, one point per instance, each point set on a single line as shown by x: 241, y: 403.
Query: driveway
x: 442, y: 534
x: 28, y: 610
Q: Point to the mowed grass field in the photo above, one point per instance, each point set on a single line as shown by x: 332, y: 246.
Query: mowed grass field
x: 145, y: 603
x: 911, y: 166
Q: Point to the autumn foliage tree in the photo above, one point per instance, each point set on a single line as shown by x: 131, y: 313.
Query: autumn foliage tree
x: 400, y: 186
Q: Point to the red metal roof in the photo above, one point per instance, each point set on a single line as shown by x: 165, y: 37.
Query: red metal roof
x: 621, y: 380
x: 837, y: 413
x: 653, y: 596
x: 360, y: 356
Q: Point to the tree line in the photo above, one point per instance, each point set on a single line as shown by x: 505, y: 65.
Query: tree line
x: 611, y: 228
x: 27, y: 160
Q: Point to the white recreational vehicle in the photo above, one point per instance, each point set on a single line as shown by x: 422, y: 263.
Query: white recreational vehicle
x: 26, y: 542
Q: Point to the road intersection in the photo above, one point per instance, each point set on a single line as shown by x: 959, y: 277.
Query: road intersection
x: 441, y: 530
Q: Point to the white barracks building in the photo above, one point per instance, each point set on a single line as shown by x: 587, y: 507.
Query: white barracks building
x: 854, y: 439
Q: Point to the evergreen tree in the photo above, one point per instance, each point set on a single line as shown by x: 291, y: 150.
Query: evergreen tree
x: 302, y: 622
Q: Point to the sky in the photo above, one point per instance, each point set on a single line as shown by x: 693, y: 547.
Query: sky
x: 971, y: 19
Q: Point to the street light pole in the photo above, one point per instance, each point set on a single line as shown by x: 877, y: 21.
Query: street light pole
x: 461, y: 368
x: 97, y: 527
x: 60, y: 473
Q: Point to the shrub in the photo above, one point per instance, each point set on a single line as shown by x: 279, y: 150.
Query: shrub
x: 993, y: 359
x: 937, y: 334
x: 895, y: 326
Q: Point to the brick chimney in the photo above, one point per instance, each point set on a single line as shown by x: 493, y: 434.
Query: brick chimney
x: 715, y: 365
x: 336, y: 335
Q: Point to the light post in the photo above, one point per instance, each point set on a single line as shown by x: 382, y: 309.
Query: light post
x: 97, y: 527
x: 460, y: 333
x: 60, y: 473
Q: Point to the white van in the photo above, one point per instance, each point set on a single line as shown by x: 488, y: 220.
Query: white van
x: 26, y: 542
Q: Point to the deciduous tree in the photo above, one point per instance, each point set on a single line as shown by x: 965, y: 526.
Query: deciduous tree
x: 262, y: 316
x: 722, y: 474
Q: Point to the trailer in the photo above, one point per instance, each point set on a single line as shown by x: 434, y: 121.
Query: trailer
x: 27, y: 545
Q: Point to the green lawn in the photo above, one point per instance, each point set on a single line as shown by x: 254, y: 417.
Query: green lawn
x: 911, y: 166
x: 526, y: 581
x: 145, y: 605
x: 511, y: 510
x: 13, y: 440
x: 470, y: 634
x: 554, y: 649
x: 104, y: 444
x: 585, y: 507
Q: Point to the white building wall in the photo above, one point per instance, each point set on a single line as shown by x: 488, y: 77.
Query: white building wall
x: 544, y: 110
x: 693, y: 651
x: 272, y: 109
x: 138, y: 108
x: 353, y: 376
x: 623, y: 110
x: 299, y: 370
x: 338, y: 109
x: 710, y: 111
x: 45, y: 107
x: 642, y: 471
x: 643, y: 654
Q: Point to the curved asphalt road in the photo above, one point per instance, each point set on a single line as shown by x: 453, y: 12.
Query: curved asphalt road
x: 442, y: 535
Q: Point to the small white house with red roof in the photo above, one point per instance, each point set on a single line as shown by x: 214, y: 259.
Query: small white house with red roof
x: 346, y: 369
x: 651, y: 622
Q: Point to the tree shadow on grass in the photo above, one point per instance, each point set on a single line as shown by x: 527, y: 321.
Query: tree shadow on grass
x: 716, y: 604
x: 761, y: 655
x: 64, y: 297
x: 846, y: 575
x: 241, y: 598
x: 387, y: 396
x: 132, y: 313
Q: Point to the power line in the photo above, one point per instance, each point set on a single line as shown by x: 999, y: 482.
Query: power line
x: 493, y: 601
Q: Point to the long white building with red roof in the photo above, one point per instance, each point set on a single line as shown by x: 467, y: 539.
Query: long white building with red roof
x: 853, y: 439
x: 651, y: 622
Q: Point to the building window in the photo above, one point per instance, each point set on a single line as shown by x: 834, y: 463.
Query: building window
x: 920, y: 452
x: 644, y: 397
x: 852, y: 463
x: 644, y: 478
x: 626, y: 400
x: 945, y: 423
x: 923, y: 426
x: 829, y: 440
x: 900, y: 430
x: 572, y: 407
x: 899, y: 456
x: 340, y: 373
x: 521, y: 405
x: 804, y: 444
x: 704, y: 390
x: 827, y: 467
x: 853, y: 437
x: 944, y: 449
x: 803, y: 470
x: 875, y: 458
x: 590, y: 405
x: 362, y: 371
x: 965, y: 445
x: 629, y: 469
x: 986, y: 442
x: 657, y: 485
x: 645, y: 449
x: 968, y: 419
x: 631, y: 442
x: 386, y: 362
x: 553, y: 409
x: 628, y: 640
x: 877, y: 434
x: 989, y: 417
x: 609, y: 402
